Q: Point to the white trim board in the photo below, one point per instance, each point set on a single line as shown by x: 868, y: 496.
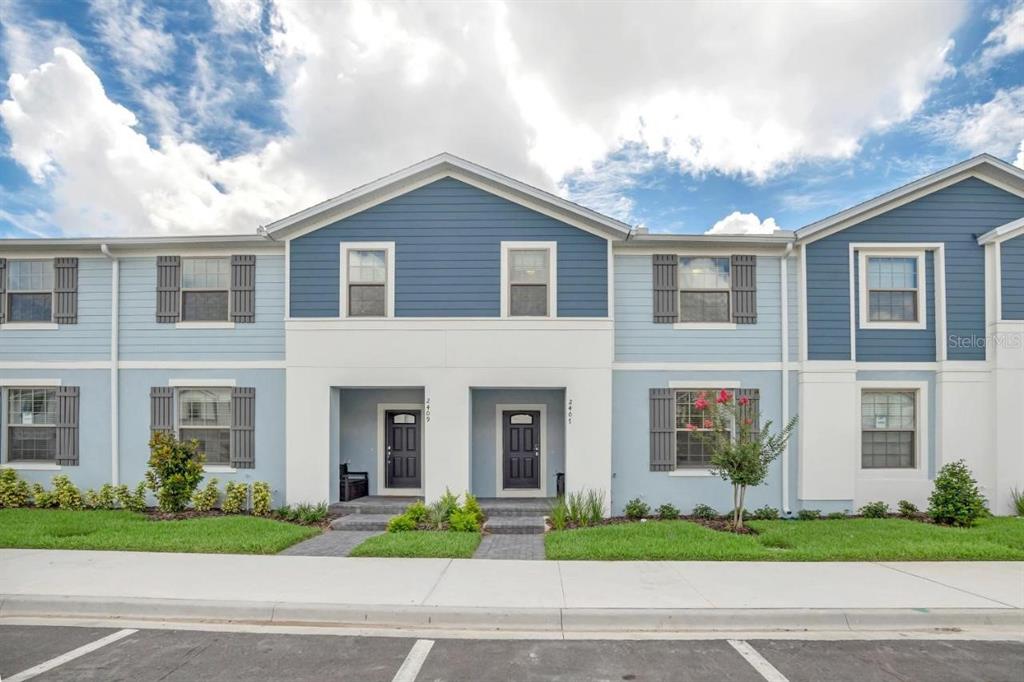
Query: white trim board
x: 202, y: 383
x: 499, y: 429
x: 29, y: 383
x: 382, y: 488
x: 552, y: 249
x: 863, y: 255
x: 1010, y: 230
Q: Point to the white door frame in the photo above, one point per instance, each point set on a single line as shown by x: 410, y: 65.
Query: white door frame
x: 382, y: 479
x: 499, y: 448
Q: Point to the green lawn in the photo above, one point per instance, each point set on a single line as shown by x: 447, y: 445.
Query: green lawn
x: 420, y: 544
x: 123, y: 530
x: 840, y: 540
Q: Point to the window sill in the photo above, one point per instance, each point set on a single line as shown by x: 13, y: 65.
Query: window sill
x: 204, y: 325
x: 893, y: 474
x: 892, y: 325
x: 690, y: 473
x: 31, y: 466
x: 723, y: 326
x: 30, y: 326
x: 219, y: 469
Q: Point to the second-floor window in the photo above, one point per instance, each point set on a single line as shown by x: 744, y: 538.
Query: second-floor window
x: 892, y: 289
x: 529, y: 279
x: 30, y: 290
x: 205, y: 289
x: 205, y: 416
x: 704, y: 289
x: 32, y: 425
x: 367, y: 282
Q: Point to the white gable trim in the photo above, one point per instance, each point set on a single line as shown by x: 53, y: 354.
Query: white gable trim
x: 431, y: 170
x: 986, y: 168
x: 1010, y: 230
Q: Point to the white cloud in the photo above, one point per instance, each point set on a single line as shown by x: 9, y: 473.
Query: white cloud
x: 134, y: 35
x: 1006, y: 39
x: 368, y: 88
x: 996, y: 126
x: 743, y: 223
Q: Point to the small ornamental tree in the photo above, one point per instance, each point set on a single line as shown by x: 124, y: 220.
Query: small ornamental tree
x: 175, y: 470
x: 740, y: 454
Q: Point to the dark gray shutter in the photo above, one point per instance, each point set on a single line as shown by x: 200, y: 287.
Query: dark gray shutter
x: 752, y: 410
x: 665, y: 281
x: 65, y: 290
x: 161, y: 409
x: 663, y: 429
x: 243, y: 428
x: 744, y: 289
x: 243, y: 288
x: 67, y: 425
x: 3, y: 290
x: 168, y: 288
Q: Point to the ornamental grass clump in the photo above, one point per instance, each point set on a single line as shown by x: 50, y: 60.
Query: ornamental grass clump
x: 175, y: 470
x: 740, y: 451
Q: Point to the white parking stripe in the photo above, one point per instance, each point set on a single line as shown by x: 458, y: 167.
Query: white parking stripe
x: 760, y: 663
x: 69, y: 656
x: 414, y: 661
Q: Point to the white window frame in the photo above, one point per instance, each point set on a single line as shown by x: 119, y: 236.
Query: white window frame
x: 227, y: 322
x: 33, y: 325
x: 863, y: 321
x: 389, y: 285
x: 5, y: 423
x: 211, y: 385
x: 552, y: 249
x: 730, y: 385
x: 921, y: 427
x: 679, y: 323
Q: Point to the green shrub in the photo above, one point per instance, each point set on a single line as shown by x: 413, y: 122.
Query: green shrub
x: 668, y: 511
x: 66, y: 494
x: 175, y: 470
x: 874, y: 510
x: 574, y: 508
x: 472, y: 505
x: 956, y: 500
x: 14, y: 492
x: 311, y: 514
x: 261, y: 498
x: 766, y: 513
x: 835, y: 516
x: 132, y: 501
x: 206, y: 498
x: 907, y: 508
x: 236, y: 498
x: 104, y: 498
x: 400, y: 524
x: 1017, y: 498
x: 441, y: 510
x: 42, y: 498
x: 418, y: 512
x: 705, y: 511
x: 464, y: 521
x: 808, y: 514
x: 559, y: 514
x: 637, y: 509
x: 593, y: 507
x: 286, y: 513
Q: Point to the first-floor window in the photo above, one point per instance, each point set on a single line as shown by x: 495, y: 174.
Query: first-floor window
x: 691, y: 448
x: 888, y: 429
x: 32, y: 424
x: 205, y: 416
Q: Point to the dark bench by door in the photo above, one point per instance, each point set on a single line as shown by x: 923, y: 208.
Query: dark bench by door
x: 354, y: 484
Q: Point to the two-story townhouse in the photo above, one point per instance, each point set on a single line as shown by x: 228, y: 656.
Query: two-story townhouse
x: 447, y: 327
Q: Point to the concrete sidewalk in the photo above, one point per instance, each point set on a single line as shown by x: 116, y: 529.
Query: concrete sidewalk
x: 519, y: 595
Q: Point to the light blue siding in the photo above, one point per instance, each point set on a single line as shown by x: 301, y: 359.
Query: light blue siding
x: 955, y: 215
x: 142, y: 338
x: 87, y: 340
x: 134, y: 387
x: 448, y: 256
x: 911, y: 345
x: 94, y: 464
x: 631, y: 474
x: 1012, y: 280
x: 639, y: 339
x: 484, y: 461
x: 793, y: 295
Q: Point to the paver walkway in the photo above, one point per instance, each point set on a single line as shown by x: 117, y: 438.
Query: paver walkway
x: 331, y: 543
x: 511, y: 547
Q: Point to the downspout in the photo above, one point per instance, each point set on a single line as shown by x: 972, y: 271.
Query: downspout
x: 115, y: 324
x: 784, y: 335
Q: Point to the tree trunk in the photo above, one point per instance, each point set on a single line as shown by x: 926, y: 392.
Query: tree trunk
x: 739, y: 507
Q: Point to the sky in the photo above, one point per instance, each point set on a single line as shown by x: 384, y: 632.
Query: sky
x: 124, y: 117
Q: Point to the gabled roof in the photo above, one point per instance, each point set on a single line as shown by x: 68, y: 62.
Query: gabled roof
x: 1003, y: 232
x: 435, y: 168
x: 984, y: 166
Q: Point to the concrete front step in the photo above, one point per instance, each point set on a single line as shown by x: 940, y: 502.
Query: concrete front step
x: 494, y: 507
x: 515, y: 525
x: 362, y: 521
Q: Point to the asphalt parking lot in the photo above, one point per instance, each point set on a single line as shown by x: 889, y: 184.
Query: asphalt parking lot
x: 47, y: 653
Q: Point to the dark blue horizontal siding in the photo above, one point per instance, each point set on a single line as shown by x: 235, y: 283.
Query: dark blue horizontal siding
x: 911, y: 345
x: 956, y: 216
x: 1012, y: 281
x: 448, y: 255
